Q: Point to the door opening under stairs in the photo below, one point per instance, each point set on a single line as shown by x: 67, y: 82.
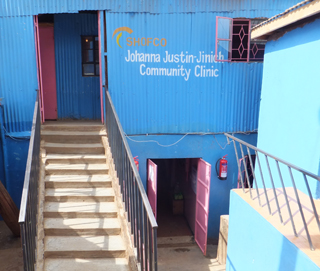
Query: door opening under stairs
x: 178, y: 191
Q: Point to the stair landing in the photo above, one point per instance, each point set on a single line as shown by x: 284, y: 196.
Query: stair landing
x: 286, y: 227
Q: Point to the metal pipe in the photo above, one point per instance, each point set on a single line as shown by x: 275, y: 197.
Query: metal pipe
x: 155, y: 249
x: 239, y: 167
x: 287, y: 201
x: 312, y: 202
x: 263, y: 183
x: 245, y: 169
x: 146, y: 241
x: 300, y: 208
x: 274, y: 190
x: 253, y: 175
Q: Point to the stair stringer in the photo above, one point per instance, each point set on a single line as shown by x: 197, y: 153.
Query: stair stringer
x: 40, y: 219
x: 123, y: 215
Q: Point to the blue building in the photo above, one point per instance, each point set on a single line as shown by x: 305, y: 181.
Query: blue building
x: 289, y: 128
x: 180, y: 75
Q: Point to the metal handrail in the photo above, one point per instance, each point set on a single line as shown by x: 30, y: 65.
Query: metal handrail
x: 142, y: 221
x: 290, y: 167
x: 29, y: 199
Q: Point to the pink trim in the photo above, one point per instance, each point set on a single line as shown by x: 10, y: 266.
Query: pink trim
x: 48, y: 71
x: 100, y: 69
x: 218, y: 39
x: 152, y: 186
x: 202, y: 204
x: 39, y: 73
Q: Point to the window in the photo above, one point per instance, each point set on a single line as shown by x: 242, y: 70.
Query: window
x: 233, y: 41
x: 90, y: 55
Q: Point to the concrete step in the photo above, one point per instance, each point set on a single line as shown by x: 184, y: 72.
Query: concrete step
x: 80, y: 210
x: 72, y: 136
x: 76, y: 169
x: 75, y: 158
x: 72, y: 126
x: 79, y: 194
x: 84, y: 247
x: 77, y: 148
x: 116, y: 264
x: 81, y: 226
x: 78, y: 181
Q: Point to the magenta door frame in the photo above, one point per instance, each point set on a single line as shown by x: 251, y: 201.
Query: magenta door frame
x: 39, y: 73
x: 48, y: 71
x: 152, y: 186
x: 202, y: 204
x: 101, y: 58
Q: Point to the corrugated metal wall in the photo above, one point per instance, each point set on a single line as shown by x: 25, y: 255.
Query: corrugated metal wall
x: 18, y: 72
x: 78, y: 97
x: 177, y: 104
x: 247, y: 8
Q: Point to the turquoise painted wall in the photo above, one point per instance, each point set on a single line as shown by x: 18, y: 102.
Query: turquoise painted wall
x: 289, y: 120
x: 255, y: 245
x: 207, y: 147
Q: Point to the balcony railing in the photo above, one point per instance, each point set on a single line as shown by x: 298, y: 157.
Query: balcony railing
x: 29, y: 200
x: 140, y: 215
x: 256, y: 175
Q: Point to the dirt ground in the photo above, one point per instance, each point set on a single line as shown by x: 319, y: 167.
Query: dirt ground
x: 10, y: 250
x: 188, y: 258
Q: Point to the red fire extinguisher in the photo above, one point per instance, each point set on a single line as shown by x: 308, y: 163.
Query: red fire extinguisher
x: 136, y: 161
x: 223, y: 168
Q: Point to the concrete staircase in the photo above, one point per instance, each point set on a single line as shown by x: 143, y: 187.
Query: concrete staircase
x: 82, y: 227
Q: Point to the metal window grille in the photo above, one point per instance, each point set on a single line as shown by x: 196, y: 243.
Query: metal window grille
x: 240, y: 40
x: 233, y: 41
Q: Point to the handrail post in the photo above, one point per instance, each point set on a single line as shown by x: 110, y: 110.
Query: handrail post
x: 263, y: 183
x: 238, y: 163
x: 254, y: 175
x: 245, y: 169
x: 274, y: 190
x: 301, y: 211
x: 287, y: 201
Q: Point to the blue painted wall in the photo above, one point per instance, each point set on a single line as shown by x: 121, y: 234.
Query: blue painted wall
x: 227, y: 100
x: 17, y: 159
x: 18, y: 84
x: 78, y: 97
x: 254, y: 244
x: 207, y: 147
x: 18, y: 72
x: 289, y: 122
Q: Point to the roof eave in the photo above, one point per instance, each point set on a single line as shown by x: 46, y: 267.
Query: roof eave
x: 267, y: 29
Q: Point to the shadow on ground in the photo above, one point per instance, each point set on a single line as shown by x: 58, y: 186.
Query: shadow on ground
x: 188, y: 258
x: 10, y: 250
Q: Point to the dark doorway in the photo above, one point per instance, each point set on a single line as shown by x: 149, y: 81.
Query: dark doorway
x: 176, y: 199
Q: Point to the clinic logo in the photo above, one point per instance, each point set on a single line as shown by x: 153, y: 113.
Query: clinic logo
x: 120, y: 29
x: 137, y: 41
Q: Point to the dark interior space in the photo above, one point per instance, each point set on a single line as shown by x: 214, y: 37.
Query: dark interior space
x: 46, y: 18
x: 175, y: 196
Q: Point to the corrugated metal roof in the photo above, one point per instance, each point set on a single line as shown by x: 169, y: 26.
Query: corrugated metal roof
x: 18, y: 72
x: 291, y: 9
x: 170, y: 104
x: 245, y: 8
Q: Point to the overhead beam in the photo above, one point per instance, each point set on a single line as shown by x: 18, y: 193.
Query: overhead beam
x: 289, y: 18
